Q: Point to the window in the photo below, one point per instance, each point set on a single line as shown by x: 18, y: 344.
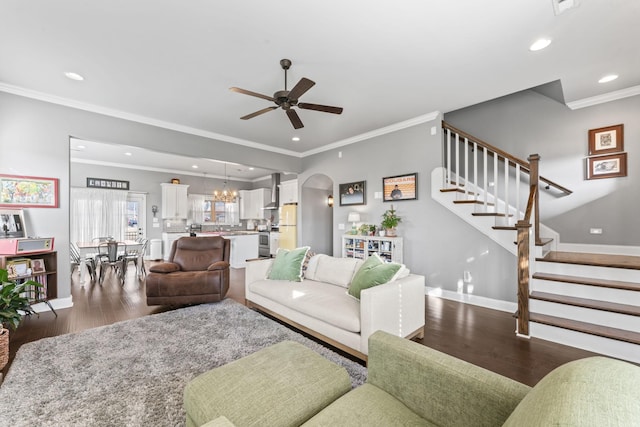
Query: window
x: 221, y: 213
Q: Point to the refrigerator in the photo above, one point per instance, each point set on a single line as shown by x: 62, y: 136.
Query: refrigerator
x: 288, y: 230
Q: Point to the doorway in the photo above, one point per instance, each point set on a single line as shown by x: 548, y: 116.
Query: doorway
x: 317, y: 216
x: 136, y: 219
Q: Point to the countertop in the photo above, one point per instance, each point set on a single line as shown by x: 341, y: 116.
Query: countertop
x: 225, y: 233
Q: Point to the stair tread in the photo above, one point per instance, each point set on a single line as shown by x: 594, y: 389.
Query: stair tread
x: 605, y: 283
x: 631, y: 310
x: 457, y: 190
x: 587, y: 328
x: 479, y: 202
x: 593, y: 259
x: 503, y: 227
x: 489, y: 214
x: 544, y: 241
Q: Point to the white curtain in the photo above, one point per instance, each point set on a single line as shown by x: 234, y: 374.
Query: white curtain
x: 196, y: 208
x: 98, y: 213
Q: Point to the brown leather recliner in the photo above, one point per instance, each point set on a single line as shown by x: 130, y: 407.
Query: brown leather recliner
x: 197, y: 272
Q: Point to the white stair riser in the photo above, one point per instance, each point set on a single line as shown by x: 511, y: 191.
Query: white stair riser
x: 619, y: 349
x: 588, y: 271
x: 587, y: 315
x: 598, y: 293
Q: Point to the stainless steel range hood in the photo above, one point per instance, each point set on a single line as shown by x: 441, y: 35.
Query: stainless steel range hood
x: 275, y: 192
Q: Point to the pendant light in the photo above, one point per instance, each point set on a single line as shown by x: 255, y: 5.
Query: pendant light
x: 226, y: 196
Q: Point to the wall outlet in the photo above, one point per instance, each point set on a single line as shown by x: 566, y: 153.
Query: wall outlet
x: 377, y: 195
x: 595, y: 230
x: 339, y: 154
x: 340, y: 226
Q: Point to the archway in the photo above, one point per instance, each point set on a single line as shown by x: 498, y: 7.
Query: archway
x: 317, y: 222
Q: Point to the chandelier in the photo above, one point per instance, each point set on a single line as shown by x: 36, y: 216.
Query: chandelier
x: 226, y: 196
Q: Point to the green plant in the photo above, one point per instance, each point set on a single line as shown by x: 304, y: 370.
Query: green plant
x: 390, y: 219
x: 12, y: 301
x: 364, y: 229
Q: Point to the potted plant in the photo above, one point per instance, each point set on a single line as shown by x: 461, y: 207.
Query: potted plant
x: 364, y: 230
x: 372, y: 230
x: 13, y: 304
x: 390, y: 221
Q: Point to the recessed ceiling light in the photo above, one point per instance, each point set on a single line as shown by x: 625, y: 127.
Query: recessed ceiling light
x: 608, y: 78
x: 251, y: 168
x: 73, y: 76
x: 539, y: 44
x: 81, y: 147
x: 128, y: 154
x: 195, y: 166
x: 295, y: 138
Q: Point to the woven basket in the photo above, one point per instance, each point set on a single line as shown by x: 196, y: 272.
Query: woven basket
x: 4, y: 348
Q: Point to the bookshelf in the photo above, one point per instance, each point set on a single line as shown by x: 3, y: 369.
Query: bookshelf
x: 389, y: 248
x: 41, y: 267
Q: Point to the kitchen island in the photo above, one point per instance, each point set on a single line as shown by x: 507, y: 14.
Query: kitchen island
x: 244, y: 245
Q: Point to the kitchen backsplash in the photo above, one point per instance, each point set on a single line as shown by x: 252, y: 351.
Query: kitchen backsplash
x: 174, y: 225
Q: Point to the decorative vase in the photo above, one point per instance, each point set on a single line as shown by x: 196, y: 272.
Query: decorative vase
x: 4, y: 347
x: 381, y: 233
x: 391, y: 232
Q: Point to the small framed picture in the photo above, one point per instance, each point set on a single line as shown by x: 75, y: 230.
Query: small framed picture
x: 606, y: 140
x: 352, y: 193
x: 37, y: 266
x: 401, y: 187
x: 611, y: 166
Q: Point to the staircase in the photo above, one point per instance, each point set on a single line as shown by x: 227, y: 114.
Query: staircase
x: 586, y: 300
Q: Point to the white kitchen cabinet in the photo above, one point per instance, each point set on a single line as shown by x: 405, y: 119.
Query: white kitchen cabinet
x: 389, y: 248
x: 243, y: 248
x: 174, y: 201
x: 252, y: 203
x: 289, y: 192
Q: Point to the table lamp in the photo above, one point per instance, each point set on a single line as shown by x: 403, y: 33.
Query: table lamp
x: 353, y: 218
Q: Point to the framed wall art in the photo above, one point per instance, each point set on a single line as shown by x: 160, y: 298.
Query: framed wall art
x: 12, y: 224
x: 606, y: 140
x: 111, y: 184
x: 611, y: 166
x: 28, y: 192
x: 401, y: 187
x: 353, y: 193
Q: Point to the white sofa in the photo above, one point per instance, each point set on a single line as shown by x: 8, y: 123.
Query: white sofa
x: 320, y: 306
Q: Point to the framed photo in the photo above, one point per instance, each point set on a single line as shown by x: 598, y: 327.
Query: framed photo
x: 401, y: 187
x: 28, y: 192
x: 107, y: 183
x: 37, y: 266
x: 12, y: 224
x: 353, y: 193
x: 605, y: 140
x: 611, y: 166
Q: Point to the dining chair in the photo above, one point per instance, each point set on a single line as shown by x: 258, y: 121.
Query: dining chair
x: 76, y: 260
x: 133, y: 254
x: 111, y: 255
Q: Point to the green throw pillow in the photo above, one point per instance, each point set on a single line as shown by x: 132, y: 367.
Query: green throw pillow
x: 373, y: 272
x: 288, y: 264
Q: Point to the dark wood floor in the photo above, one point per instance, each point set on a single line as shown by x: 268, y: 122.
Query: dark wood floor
x: 481, y: 336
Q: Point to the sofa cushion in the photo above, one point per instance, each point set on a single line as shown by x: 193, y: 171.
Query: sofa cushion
x: 323, y: 301
x: 596, y: 391
x: 372, y: 273
x: 337, y: 271
x: 367, y: 405
x: 288, y: 264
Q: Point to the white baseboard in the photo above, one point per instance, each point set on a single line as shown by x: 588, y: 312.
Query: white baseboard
x: 599, y: 249
x: 57, y: 304
x: 491, y: 303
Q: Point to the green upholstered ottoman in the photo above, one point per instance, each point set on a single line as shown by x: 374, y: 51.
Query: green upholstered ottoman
x: 284, y: 385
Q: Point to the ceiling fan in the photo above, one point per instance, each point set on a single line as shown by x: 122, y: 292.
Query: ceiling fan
x: 286, y: 99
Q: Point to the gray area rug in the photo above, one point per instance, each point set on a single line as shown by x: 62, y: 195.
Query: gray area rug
x: 133, y: 373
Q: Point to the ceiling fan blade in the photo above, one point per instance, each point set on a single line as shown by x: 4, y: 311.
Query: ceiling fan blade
x: 248, y: 92
x: 295, y: 119
x: 299, y: 89
x: 257, y: 113
x: 323, y: 108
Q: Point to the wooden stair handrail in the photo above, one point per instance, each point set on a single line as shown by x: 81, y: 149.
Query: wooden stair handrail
x: 523, y: 163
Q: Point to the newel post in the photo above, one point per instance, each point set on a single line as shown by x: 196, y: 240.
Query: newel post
x: 523, y: 227
x: 534, y: 175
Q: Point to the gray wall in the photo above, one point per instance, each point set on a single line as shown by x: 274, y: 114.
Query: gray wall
x: 34, y: 137
x: 437, y: 244
x: 317, y: 220
x: 528, y: 122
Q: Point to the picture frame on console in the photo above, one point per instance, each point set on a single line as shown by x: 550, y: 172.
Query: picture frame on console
x: 12, y: 225
x: 606, y: 140
x: 400, y: 187
x: 353, y: 193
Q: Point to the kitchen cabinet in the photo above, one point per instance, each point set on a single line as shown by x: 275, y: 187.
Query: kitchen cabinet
x: 289, y: 192
x: 244, y: 246
x: 174, y: 201
x: 389, y: 248
x: 252, y: 203
x: 167, y: 243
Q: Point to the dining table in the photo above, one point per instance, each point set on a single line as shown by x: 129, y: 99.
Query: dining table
x: 89, y: 249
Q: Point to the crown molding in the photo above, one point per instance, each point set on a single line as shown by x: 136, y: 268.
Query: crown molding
x: 53, y: 99
x: 605, y: 97
x: 376, y: 132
